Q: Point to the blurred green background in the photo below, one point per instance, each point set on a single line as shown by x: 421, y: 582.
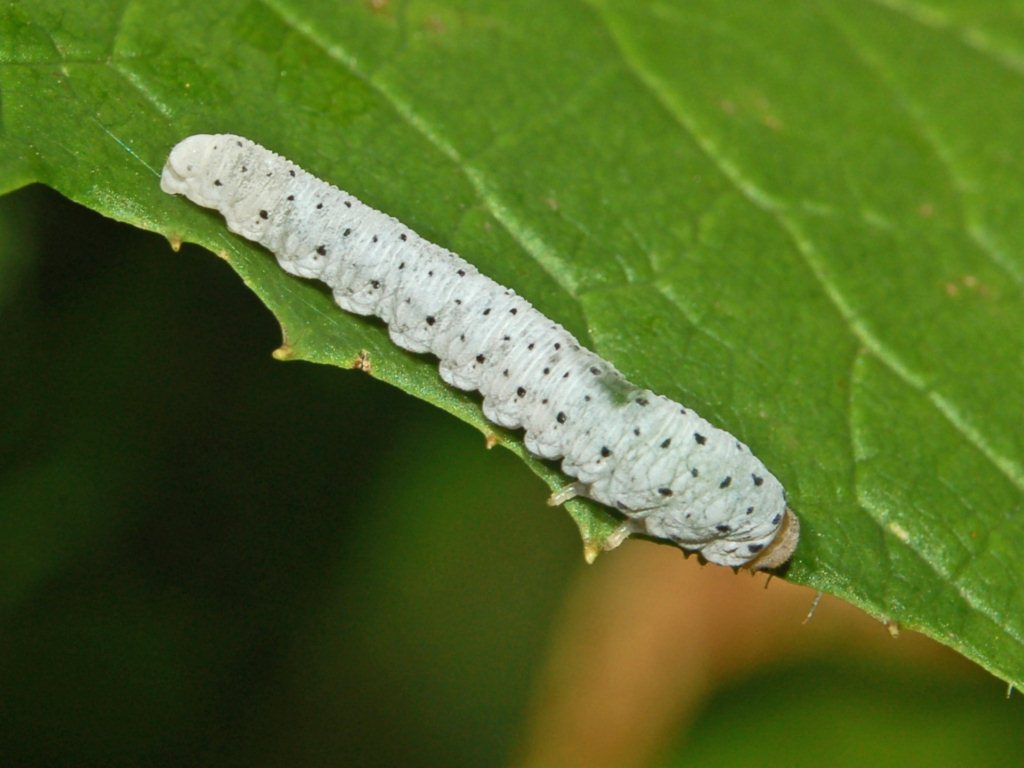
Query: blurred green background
x: 209, y: 557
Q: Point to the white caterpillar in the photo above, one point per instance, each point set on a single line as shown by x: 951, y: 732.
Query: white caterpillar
x: 670, y: 473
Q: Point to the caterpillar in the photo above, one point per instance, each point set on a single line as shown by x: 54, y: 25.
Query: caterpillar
x: 667, y: 472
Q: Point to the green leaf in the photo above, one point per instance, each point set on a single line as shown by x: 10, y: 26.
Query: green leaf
x: 803, y: 219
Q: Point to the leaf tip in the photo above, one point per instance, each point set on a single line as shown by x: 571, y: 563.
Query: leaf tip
x: 284, y: 353
x: 362, y: 362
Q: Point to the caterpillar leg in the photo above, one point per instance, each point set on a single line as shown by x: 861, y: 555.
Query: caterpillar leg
x: 619, y: 535
x: 566, y: 492
x: 591, y: 548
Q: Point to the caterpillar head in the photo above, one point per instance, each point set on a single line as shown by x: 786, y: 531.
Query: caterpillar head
x: 781, y: 549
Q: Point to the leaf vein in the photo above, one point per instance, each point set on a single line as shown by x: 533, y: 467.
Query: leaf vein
x: 528, y: 239
x: 805, y: 248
